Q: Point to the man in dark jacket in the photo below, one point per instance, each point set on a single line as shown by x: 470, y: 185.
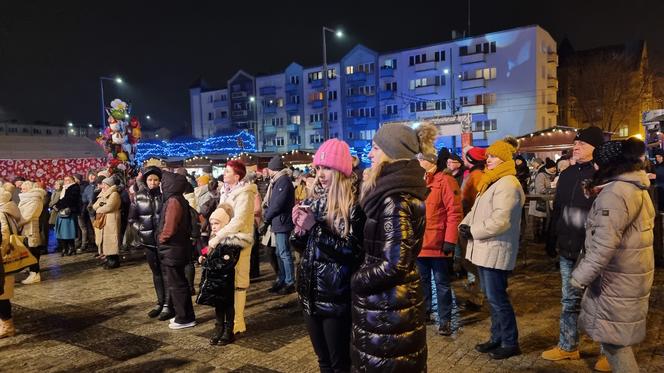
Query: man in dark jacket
x: 85, y: 220
x: 567, y: 235
x: 659, y: 180
x: 280, y: 199
x: 175, y: 248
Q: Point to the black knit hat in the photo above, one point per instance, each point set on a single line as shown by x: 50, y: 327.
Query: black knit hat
x: 619, y: 151
x: 276, y: 163
x: 591, y: 135
x: 152, y: 170
x: 549, y: 163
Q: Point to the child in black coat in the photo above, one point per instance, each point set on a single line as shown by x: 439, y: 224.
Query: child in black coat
x: 218, y: 277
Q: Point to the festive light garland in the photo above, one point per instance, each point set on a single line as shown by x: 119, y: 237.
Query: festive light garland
x: 229, y: 145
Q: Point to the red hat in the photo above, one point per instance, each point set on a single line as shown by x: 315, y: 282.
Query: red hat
x: 475, y: 154
x: 335, y: 154
x: 238, y: 167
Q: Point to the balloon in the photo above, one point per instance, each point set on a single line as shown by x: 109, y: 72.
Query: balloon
x: 122, y: 156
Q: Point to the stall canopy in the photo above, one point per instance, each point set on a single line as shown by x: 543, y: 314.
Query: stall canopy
x: 554, y: 139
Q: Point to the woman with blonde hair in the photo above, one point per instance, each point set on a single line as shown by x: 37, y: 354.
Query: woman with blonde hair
x: 388, y: 310
x: 492, y: 229
x: 328, y: 228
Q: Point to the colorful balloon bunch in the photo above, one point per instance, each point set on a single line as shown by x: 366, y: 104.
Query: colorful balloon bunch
x: 120, y: 137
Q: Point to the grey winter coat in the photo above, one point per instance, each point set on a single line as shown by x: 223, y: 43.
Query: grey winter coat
x: 618, y: 265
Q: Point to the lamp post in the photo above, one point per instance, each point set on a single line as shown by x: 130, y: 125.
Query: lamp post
x: 101, y: 86
x: 326, y: 127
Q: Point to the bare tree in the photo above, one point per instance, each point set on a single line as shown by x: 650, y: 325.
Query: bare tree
x: 609, y: 88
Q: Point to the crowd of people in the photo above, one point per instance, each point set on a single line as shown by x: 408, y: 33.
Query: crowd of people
x: 368, y: 251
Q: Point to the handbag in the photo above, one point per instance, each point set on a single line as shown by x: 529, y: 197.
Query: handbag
x: 17, y: 257
x: 100, y: 221
x: 65, y: 212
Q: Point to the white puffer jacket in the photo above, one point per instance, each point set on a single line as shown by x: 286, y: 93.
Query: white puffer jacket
x: 31, y: 205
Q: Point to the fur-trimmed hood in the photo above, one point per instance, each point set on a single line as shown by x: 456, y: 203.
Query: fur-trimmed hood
x: 237, y: 238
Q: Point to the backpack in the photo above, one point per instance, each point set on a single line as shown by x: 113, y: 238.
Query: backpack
x: 195, y: 222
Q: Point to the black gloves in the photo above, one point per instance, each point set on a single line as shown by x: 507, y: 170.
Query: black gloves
x: 464, y: 231
x: 262, y: 229
x: 448, y: 248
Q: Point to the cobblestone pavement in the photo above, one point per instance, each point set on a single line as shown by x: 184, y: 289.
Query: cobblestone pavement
x: 86, y: 319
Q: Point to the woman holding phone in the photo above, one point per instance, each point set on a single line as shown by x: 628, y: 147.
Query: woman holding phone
x: 328, y: 228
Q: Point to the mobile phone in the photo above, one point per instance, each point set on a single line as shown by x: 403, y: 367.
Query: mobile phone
x: 304, y: 207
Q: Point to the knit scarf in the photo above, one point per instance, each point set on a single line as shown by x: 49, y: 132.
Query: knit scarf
x: 396, y: 177
x: 273, y: 180
x: 491, y: 176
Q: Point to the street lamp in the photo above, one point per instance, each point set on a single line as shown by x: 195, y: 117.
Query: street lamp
x: 147, y: 117
x: 326, y: 127
x: 117, y: 80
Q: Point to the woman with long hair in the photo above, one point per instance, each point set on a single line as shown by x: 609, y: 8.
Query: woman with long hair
x: 68, y: 208
x: 492, y: 230
x: 617, y: 268
x: 328, y: 229
x: 388, y: 311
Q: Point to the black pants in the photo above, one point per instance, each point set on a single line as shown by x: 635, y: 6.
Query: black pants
x: 180, y: 293
x: 274, y: 263
x: 36, y: 251
x: 225, y: 312
x: 158, y: 277
x: 255, y: 263
x: 5, y: 310
x: 330, y: 338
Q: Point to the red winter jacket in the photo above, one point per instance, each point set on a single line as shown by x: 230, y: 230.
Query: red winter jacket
x: 443, y: 212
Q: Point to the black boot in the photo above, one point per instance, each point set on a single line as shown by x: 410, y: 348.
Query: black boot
x: 167, y: 313
x: 72, y: 249
x: 218, y: 334
x: 112, y: 262
x: 228, y: 336
x: 155, y: 311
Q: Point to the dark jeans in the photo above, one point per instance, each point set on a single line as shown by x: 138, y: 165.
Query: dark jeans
x: 225, y: 312
x: 330, y: 338
x: 503, y: 321
x: 87, y: 234
x: 254, y: 266
x: 180, y: 293
x: 35, y: 251
x: 163, y: 298
x: 442, y: 277
x: 5, y: 310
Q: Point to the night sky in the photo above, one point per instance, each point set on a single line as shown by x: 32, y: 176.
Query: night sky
x: 52, y: 52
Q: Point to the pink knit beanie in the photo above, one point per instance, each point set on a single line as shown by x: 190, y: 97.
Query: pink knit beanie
x: 335, y: 154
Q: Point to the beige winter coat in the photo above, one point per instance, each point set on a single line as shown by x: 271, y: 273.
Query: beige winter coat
x: 108, y: 238
x: 494, y: 221
x: 53, y: 215
x: 31, y: 205
x: 618, y: 265
x: 9, y: 214
x: 242, y: 200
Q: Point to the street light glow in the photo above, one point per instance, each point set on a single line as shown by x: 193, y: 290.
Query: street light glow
x: 446, y: 71
x: 70, y: 124
x: 89, y: 125
x: 118, y: 80
x: 147, y: 117
x: 340, y: 34
x: 252, y: 98
x: 126, y: 115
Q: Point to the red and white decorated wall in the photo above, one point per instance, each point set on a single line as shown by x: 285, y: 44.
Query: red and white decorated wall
x: 48, y: 170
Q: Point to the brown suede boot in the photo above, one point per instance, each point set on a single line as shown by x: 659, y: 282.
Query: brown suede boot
x: 7, y: 328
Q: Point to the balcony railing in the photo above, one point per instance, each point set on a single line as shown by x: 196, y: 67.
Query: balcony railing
x: 552, y: 57
x: 269, y: 148
x: 316, y: 125
x: 473, y: 109
x: 385, y: 95
x: 356, y: 77
x: 292, y: 127
x: 356, y: 99
x: 239, y: 94
x: 292, y: 87
x: 318, y: 83
x: 426, y: 90
x: 270, y: 110
x: 425, y: 66
x: 473, y: 58
x: 240, y: 113
x: 473, y: 83
x: 552, y: 82
x: 316, y: 104
x: 386, y: 72
x: 220, y: 120
x: 292, y: 107
x: 268, y: 91
x: 269, y: 130
x: 219, y: 104
x: 552, y: 108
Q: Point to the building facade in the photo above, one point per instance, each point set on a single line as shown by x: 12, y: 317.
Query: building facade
x: 503, y: 83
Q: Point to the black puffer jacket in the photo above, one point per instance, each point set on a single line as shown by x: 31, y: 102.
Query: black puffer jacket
x: 218, y: 276
x: 570, y: 212
x: 328, y: 261
x: 388, y: 312
x: 144, y: 215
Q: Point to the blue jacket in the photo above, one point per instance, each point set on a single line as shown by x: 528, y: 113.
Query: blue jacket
x: 280, y: 205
